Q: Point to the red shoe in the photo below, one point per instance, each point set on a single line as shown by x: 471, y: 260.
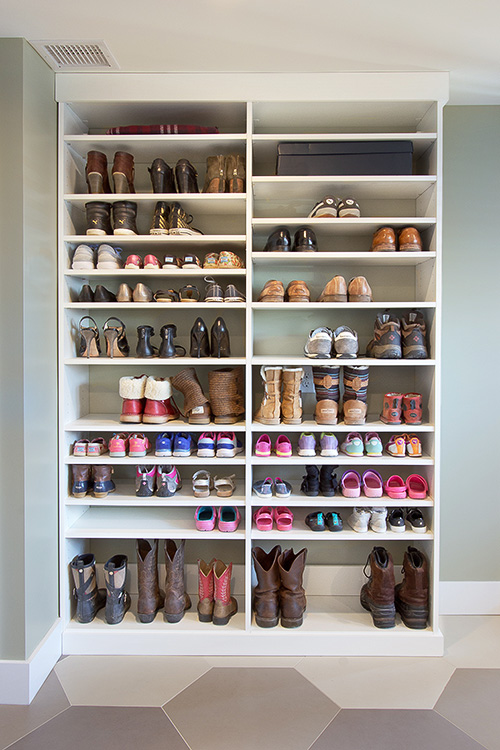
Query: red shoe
x: 412, y: 408
x: 132, y: 391
x: 151, y: 261
x: 133, y: 262
x: 391, y: 410
x: 160, y: 406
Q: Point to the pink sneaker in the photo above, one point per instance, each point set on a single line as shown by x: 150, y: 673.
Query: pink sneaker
x: 138, y: 445
x: 134, y: 262
x: 262, y: 446
x: 151, y: 261
x: 118, y: 445
x: 283, y: 447
x: 229, y: 518
x: 205, y: 517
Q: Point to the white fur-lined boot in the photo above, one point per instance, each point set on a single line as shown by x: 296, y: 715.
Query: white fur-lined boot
x: 132, y: 390
x: 160, y: 406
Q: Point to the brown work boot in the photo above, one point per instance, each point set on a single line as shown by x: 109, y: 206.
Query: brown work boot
x: 409, y: 240
x: 359, y: 290
x: 176, y: 598
x: 412, y: 595
x: 265, y: 595
x: 150, y: 597
x: 386, y: 342
x: 123, y: 172
x: 225, y: 605
x: 206, y: 590
x: 291, y: 405
x: 273, y: 291
x: 384, y: 240
x: 297, y: 291
x: 291, y: 594
x: 334, y: 291
x: 215, y: 178
x: 196, y: 404
x: 235, y: 173
x: 413, y: 333
x: 227, y: 394
x: 270, y: 409
x: 96, y: 172
x: 377, y: 596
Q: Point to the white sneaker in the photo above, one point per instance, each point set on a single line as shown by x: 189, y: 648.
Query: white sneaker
x: 378, y: 521
x: 83, y: 258
x: 359, y: 520
x: 109, y: 257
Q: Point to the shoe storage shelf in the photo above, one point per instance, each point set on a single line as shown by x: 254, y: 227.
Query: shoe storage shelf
x: 262, y: 334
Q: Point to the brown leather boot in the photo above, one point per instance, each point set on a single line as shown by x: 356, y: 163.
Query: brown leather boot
x: 265, y: 595
x: 227, y: 394
x: 297, y: 291
x: 215, y: 178
x: 334, y: 291
x: 176, y: 598
x: 291, y: 594
x: 235, y: 173
x: 150, y: 597
x: 225, y: 605
x: 377, y: 596
x: 206, y: 590
x: 102, y: 480
x: 196, y: 405
x: 412, y: 595
x: 96, y: 172
x: 270, y: 408
x: 123, y: 172
x: 359, y: 290
x: 273, y: 291
x: 291, y: 405
x: 384, y: 240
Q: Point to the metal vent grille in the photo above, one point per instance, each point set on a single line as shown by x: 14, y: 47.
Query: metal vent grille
x: 76, y: 55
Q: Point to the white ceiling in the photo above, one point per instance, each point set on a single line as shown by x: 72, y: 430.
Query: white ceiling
x: 458, y: 36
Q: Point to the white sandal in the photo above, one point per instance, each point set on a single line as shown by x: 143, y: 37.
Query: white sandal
x: 225, y: 486
x: 202, y: 483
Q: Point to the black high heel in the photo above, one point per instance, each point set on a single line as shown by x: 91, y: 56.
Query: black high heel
x: 145, y: 349
x: 219, y: 336
x: 116, y: 340
x: 167, y: 347
x: 200, y: 345
x: 90, y: 345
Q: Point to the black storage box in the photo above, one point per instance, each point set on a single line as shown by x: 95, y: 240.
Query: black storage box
x: 345, y: 158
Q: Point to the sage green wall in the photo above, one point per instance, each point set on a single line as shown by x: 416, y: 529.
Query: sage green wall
x: 470, y: 519
x: 28, y: 365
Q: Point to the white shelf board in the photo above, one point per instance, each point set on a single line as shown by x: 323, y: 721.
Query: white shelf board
x: 162, y: 305
x: 293, y: 188
x: 301, y: 532
x: 341, y: 460
x: 125, y: 497
x: 152, y: 460
x: 147, y: 523
x: 155, y: 239
x: 268, y: 142
x: 187, y: 361
x: 201, y: 203
x: 337, y: 305
x: 310, y: 504
x: 371, y: 425
x: 279, y: 360
x: 346, y: 225
x: 111, y: 423
x: 333, y: 258
x: 149, y: 146
x: 123, y: 273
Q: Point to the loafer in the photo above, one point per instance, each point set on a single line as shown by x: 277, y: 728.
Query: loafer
x: 297, y: 291
x: 304, y: 241
x: 279, y: 241
x: 273, y: 291
x: 142, y: 293
x: 124, y: 293
x: 86, y: 294
x: 316, y: 521
x: 335, y: 290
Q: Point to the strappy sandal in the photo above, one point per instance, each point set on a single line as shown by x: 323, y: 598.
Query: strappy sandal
x: 284, y: 518
x: 169, y: 296
x: 225, y: 486
x: 202, y: 483
x: 263, y: 518
x: 189, y: 293
x: 116, y: 341
x: 90, y: 345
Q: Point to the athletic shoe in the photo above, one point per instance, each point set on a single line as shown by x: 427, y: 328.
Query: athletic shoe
x: 109, y: 257
x: 378, y: 520
x: 228, y: 445
x: 319, y: 344
x: 206, y: 445
x: 168, y: 481
x: 413, y: 446
x: 138, y: 445
x: 307, y: 444
x: 352, y: 445
x: 348, y: 208
x: 345, y: 341
x: 359, y: 520
x: 283, y: 447
x: 179, y: 222
x: 334, y: 521
x: 386, y: 342
x: 83, y: 258
x: 396, y: 446
x: 145, y: 481
x: 213, y: 290
x: 415, y: 518
x: 163, y: 445
x: 231, y: 294
x: 327, y: 208
x: 396, y: 521
x: 183, y: 444
x: 118, y: 445
x: 329, y: 444
x: 373, y: 444
x: 134, y: 262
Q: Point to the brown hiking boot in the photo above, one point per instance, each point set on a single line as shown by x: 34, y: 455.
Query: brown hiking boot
x: 150, y: 598
x: 265, y: 595
x: 384, y: 240
x: 176, y: 598
x: 359, y: 290
x: 225, y: 605
x: 297, y: 291
x: 409, y: 240
x: 96, y: 172
x: 291, y: 405
x: 377, y: 596
x: 412, y: 595
x: 413, y: 332
x: 123, y: 172
x: 273, y: 291
x: 334, y: 291
x: 226, y: 388
x: 291, y: 594
x: 386, y: 342
x: 270, y: 409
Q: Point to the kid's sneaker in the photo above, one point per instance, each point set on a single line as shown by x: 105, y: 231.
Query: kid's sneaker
x: 163, y: 445
x: 183, y: 445
x: 228, y: 445
x: 206, y: 445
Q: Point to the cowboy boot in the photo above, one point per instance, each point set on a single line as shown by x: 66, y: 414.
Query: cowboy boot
x: 235, y: 173
x: 291, y: 405
x: 265, y: 594
x: 215, y: 178
x: 123, y: 172
x: 89, y: 599
x: 150, y: 597
x: 196, y: 404
x: 355, y: 394
x: 131, y: 390
x: 117, y: 599
x: 412, y: 594
x: 326, y: 386
x: 225, y: 605
x: 160, y: 406
x: 227, y: 397
x: 291, y: 594
x: 176, y: 598
x: 185, y: 176
x: 205, y: 590
x: 124, y: 215
x: 96, y: 172
x: 144, y: 348
x: 162, y: 177
x: 270, y: 408
x: 377, y: 596
x: 98, y: 218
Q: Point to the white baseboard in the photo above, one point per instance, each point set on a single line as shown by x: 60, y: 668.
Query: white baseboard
x: 21, y: 680
x: 469, y: 598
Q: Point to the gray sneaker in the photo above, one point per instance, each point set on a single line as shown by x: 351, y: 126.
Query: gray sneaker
x: 231, y: 294
x: 329, y: 444
x: 83, y: 258
x: 345, y: 342
x: 281, y: 488
x: 109, y: 257
x: 213, y: 290
x: 319, y: 343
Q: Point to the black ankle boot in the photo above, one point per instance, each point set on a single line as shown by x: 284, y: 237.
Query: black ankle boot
x: 124, y: 215
x: 162, y: 177
x: 200, y: 346
x: 117, y: 599
x: 145, y: 349
x: 219, y: 336
x: 327, y: 481
x: 185, y: 175
x: 89, y: 599
x: 98, y: 218
x: 167, y: 346
x: 310, y: 483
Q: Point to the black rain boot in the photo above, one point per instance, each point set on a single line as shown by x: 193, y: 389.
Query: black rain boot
x: 144, y: 348
x: 219, y: 336
x: 124, y: 216
x: 162, y: 177
x: 98, y: 218
x: 327, y: 481
x: 117, y: 599
x: 310, y: 483
x: 200, y: 346
x: 167, y: 346
x: 89, y: 599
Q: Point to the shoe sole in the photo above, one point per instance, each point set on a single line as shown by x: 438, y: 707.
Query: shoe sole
x: 163, y: 454
x: 307, y: 453
x: 205, y: 453
x: 158, y: 231
x: 382, y: 616
x: 124, y: 232
x: 223, y: 453
x: 259, y: 494
x: 329, y: 454
x: 83, y: 266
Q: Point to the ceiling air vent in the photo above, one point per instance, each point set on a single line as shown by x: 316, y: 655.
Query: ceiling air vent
x: 76, y: 56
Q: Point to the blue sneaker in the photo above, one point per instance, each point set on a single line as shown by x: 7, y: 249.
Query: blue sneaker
x: 206, y: 445
x: 163, y: 445
x: 228, y: 445
x: 183, y: 444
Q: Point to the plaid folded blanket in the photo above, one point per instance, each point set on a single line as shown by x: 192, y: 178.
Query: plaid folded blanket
x: 162, y: 130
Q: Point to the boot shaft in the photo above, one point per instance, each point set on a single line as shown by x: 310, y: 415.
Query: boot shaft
x: 186, y: 381
x: 123, y: 172
x: 144, y: 348
x: 162, y: 177
x: 270, y: 409
x: 292, y: 596
x: 124, y: 216
x: 96, y: 172
x: 205, y: 590
x: 215, y: 179
x: 147, y: 574
x: 291, y: 405
x: 381, y: 581
x: 414, y: 588
x: 227, y: 397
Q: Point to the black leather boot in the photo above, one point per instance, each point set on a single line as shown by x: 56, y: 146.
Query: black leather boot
x: 185, y: 175
x: 124, y: 215
x: 200, y: 346
x: 98, y: 218
x: 219, y: 336
x: 145, y: 349
x: 89, y: 599
x: 162, y: 177
x: 167, y: 346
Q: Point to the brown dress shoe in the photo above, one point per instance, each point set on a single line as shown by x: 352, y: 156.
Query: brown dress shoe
x: 297, y: 291
x: 334, y: 291
x: 384, y: 240
x: 273, y: 291
x: 359, y: 290
x: 409, y: 240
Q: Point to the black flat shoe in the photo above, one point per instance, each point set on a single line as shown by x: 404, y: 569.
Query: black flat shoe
x: 279, y: 241
x: 86, y: 294
x: 219, y: 336
x: 102, y: 294
x: 200, y: 346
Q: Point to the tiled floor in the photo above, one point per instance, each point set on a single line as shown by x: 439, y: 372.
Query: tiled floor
x: 310, y: 703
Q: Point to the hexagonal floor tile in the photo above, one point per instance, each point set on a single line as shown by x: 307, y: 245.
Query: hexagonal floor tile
x: 472, y: 641
x: 471, y: 700
x: 249, y: 708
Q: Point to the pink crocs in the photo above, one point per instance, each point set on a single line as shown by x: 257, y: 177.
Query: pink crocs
x: 395, y: 487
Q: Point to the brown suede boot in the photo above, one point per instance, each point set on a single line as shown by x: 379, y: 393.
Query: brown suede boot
x: 215, y: 179
x: 225, y: 605
x: 291, y: 405
x: 270, y: 408
x: 196, y: 405
x: 412, y: 595
x: 235, y: 173
x: 176, y: 598
x: 150, y: 597
x: 291, y: 594
x: 96, y: 172
x: 206, y: 590
x: 227, y: 394
x: 265, y: 595
x: 123, y: 172
x: 377, y: 596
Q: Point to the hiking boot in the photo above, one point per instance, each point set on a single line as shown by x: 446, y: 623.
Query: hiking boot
x: 98, y: 216
x: 377, y: 596
x: 297, y: 291
x: 384, y: 240
x: 185, y: 177
x: 319, y: 344
x: 150, y: 597
x: 291, y: 404
x: 413, y: 332
x: 304, y: 241
x: 391, y: 408
x: 348, y: 208
x: 409, y: 240
x: 273, y: 291
x: 266, y: 593
x: 359, y: 290
x: 292, y: 596
x: 279, y: 241
x: 326, y: 208
x: 117, y: 599
x: 326, y: 386
x: 89, y: 599
x: 270, y: 408
x: 334, y: 291
x: 162, y: 177
x: 412, y: 408
x: 412, y: 594
x: 159, y: 225
x: 179, y: 221
x: 227, y: 394
x: 345, y: 341
x: 310, y: 482
x: 386, y: 343
x: 124, y: 216
x: 123, y: 172
x: 235, y: 173
x: 96, y: 172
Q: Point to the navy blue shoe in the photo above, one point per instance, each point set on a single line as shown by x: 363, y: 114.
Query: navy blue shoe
x: 102, y: 480
x: 183, y: 444
x: 82, y: 480
x: 163, y: 445
x: 228, y: 445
